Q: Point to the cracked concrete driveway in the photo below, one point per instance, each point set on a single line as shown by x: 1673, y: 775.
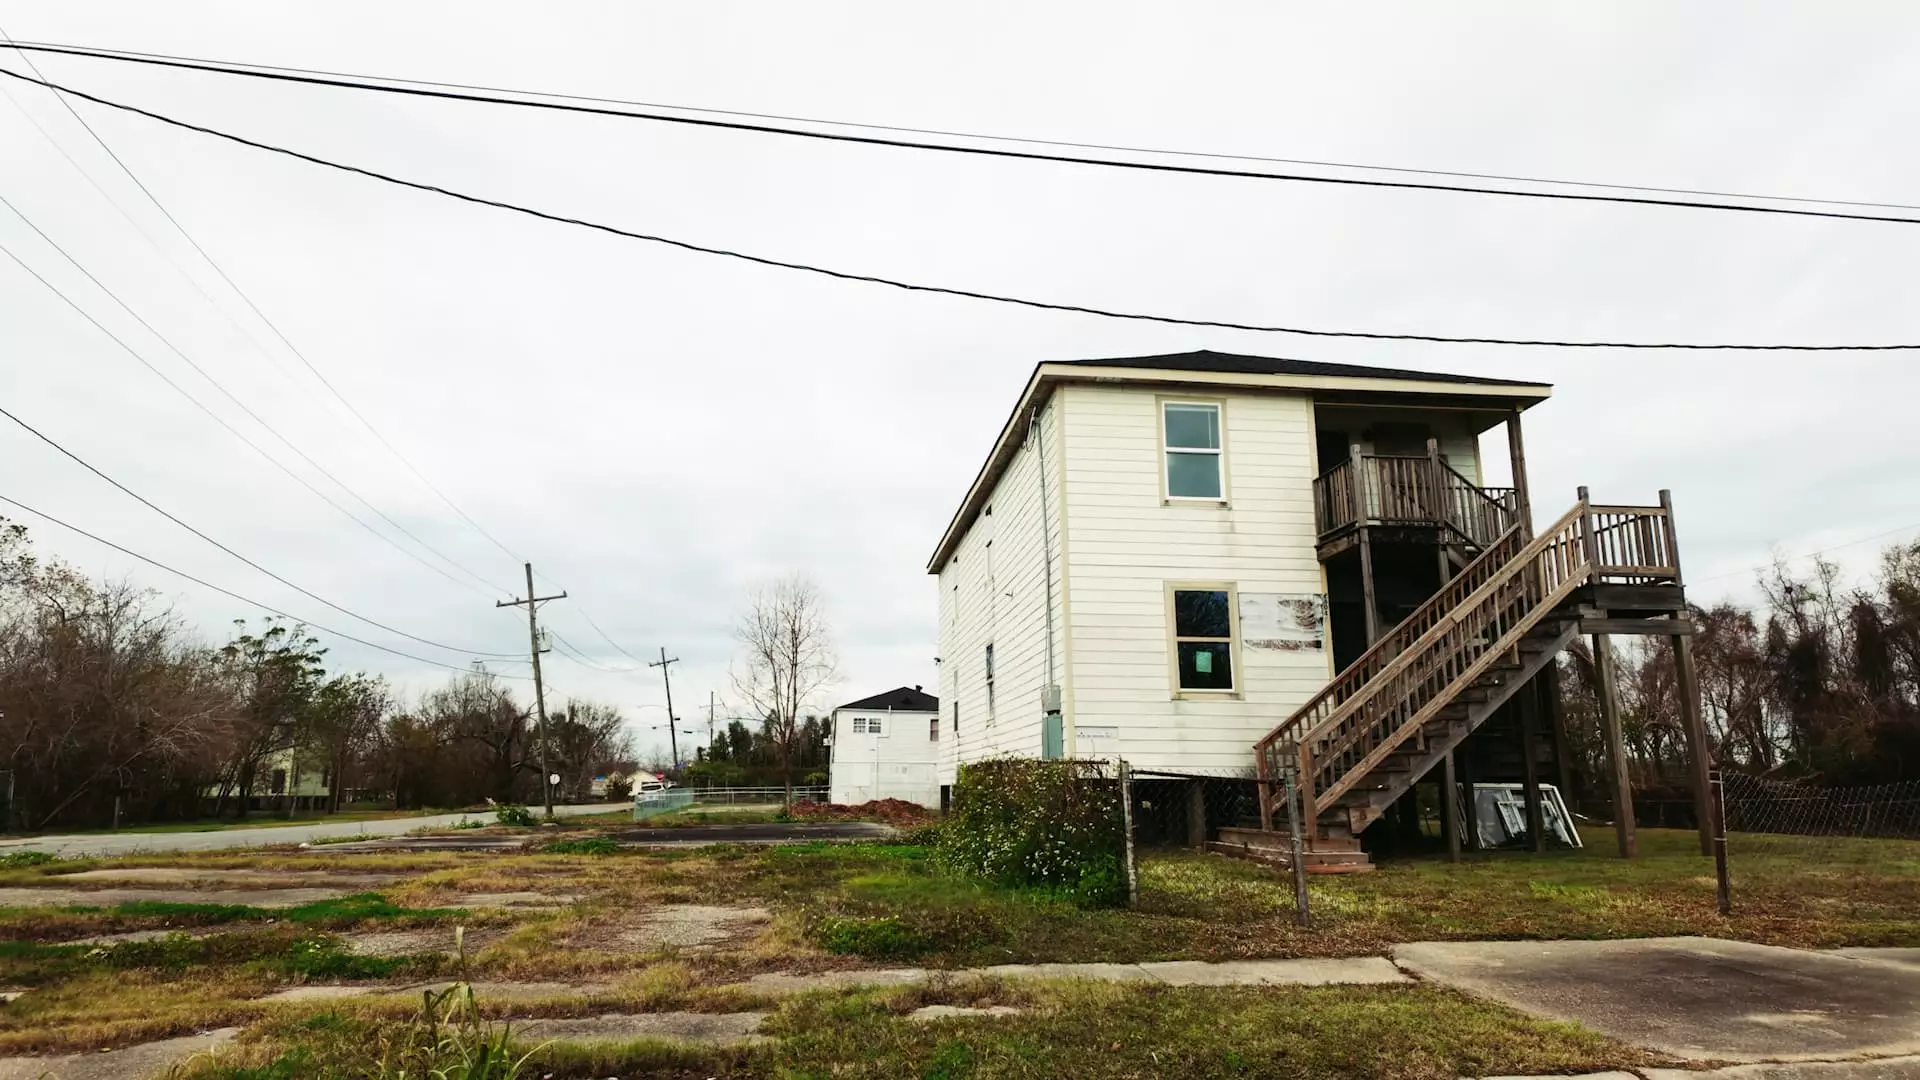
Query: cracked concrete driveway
x: 1697, y: 998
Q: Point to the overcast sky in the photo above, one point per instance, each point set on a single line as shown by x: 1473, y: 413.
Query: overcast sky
x: 658, y: 430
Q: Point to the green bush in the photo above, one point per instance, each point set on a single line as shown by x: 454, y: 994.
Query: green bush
x: 619, y: 790
x: 876, y: 939
x: 15, y: 860
x: 585, y: 845
x: 1053, y: 826
x: 515, y: 815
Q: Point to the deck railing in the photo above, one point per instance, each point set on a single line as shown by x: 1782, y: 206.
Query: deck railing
x: 1481, y: 615
x: 1384, y: 489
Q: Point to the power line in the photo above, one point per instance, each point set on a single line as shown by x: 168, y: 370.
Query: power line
x: 230, y: 397
x: 944, y: 290
x: 132, y: 55
x: 241, y: 293
x: 421, y: 89
x: 229, y: 592
x: 144, y: 501
x: 604, y: 637
x: 1807, y: 555
x: 576, y: 654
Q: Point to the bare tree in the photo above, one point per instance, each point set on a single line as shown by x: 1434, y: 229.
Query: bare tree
x: 787, y: 658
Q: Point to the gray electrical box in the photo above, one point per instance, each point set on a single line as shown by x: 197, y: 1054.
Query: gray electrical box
x: 1050, y: 698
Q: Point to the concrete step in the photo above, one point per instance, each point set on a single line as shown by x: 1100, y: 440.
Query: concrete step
x: 1317, y: 862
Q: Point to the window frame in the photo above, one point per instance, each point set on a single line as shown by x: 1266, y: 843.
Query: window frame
x: 933, y: 728
x: 1238, y: 688
x: 1219, y: 454
x: 987, y: 660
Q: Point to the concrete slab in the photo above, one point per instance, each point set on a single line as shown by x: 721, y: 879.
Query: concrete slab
x: 1905, y: 957
x: 519, y: 901
x: 1696, y: 998
x: 264, y: 898
x: 485, y: 991
x: 1096, y: 972
x: 1579, y: 1076
x: 929, y: 1013
x: 323, y: 993
x: 721, y: 1029
x: 691, y: 925
x: 786, y: 982
x: 1360, y: 970
x: 131, y: 1063
x: 1900, y: 1068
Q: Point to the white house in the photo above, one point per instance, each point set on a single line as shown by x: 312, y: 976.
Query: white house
x: 887, y: 747
x: 1168, y: 558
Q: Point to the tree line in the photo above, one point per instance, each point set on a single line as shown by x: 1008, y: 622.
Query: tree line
x: 1819, y: 681
x: 112, y: 707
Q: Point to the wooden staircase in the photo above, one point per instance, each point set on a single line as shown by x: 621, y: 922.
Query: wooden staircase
x: 1397, y: 711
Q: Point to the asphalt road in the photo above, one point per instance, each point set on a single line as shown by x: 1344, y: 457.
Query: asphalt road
x: 133, y: 843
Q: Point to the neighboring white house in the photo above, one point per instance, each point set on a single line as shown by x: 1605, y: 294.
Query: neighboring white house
x: 887, y: 747
x: 1137, y: 570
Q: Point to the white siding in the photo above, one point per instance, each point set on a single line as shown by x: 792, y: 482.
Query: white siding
x: 1125, y: 544
x: 994, y: 589
x: 900, y: 762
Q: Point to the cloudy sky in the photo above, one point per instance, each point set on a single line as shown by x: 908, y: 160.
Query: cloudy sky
x: 658, y: 430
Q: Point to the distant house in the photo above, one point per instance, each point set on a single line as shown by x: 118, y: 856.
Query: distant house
x: 887, y: 747
x: 1215, y: 565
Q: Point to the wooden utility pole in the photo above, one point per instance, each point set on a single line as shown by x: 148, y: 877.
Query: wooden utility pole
x: 713, y: 706
x: 539, y: 689
x: 673, y: 737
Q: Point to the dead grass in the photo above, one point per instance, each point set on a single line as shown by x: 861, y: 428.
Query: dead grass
x: 100, y: 1009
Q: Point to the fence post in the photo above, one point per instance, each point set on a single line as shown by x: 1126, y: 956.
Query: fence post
x: 1723, y: 892
x: 1126, y: 817
x: 1301, y: 914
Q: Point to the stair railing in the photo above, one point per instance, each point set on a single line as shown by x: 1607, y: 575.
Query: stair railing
x: 1425, y: 662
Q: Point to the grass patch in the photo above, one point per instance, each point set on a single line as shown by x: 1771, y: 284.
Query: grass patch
x: 19, y: 860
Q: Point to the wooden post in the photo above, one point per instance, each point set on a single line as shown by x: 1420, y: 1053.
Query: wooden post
x: 1442, y: 505
x: 1527, y: 701
x: 1517, y: 454
x: 1693, y: 726
x: 1469, y: 818
x: 1197, y: 813
x: 1616, y: 746
x: 1363, y: 504
x: 1450, y: 807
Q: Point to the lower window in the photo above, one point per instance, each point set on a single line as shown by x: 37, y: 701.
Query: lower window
x: 1203, y: 638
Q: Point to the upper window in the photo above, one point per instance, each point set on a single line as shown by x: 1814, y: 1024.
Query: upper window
x: 1191, y: 431
x: 1203, y: 638
x: 933, y: 729
x: 865, y: 725
x: 989, y: 669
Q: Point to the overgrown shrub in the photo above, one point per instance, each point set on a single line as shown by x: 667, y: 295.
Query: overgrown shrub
x: 619, y: 790
x: 1055, y: 826
x: 515, y: 815
x: 15, y: 860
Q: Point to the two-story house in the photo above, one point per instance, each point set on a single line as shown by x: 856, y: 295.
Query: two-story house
x: 1216, y: 565
x: 886, y: 747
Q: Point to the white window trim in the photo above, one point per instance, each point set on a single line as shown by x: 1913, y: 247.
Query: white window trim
x: 1219, y: 453
x: 1233, y: 640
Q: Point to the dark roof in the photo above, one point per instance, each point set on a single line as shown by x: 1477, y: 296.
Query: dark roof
x: 904, y: 699
x: 1233, y: 363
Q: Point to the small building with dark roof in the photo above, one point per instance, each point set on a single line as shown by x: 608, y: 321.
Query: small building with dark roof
x: 887, y: 747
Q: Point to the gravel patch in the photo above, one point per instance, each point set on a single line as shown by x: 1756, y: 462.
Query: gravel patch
x: 928, y: 1013
x: 146, y: 1059
x: 265, y: 898
x: 691, y: 925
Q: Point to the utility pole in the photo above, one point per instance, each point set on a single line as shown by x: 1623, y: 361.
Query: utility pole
x: 673, y: 737
x: 539, y: 690
x: 712, y: 706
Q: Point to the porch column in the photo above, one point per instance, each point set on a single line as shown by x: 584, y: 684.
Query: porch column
x: 1517, y: 453
x: 1363, y: 512
x: 1616, y: 746
x: 1699, y: 753
x: 1528, y: 704
x: 1437, y: 485
x: 1450, y: 807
